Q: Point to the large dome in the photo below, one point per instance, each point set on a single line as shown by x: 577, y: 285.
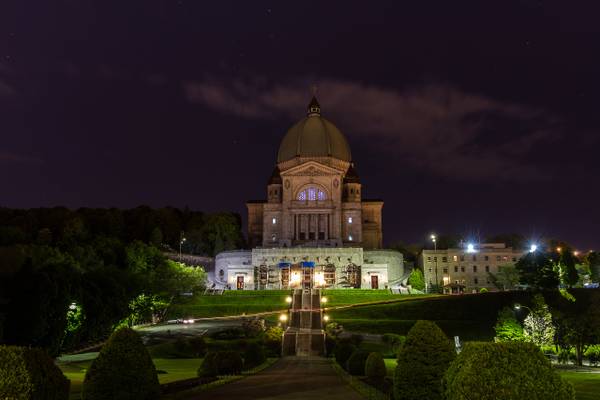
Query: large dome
x: 314, y: 136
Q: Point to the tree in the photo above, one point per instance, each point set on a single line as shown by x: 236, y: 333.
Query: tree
x: 422, y: 362
x: 508, y: 328
x: 156, y: 237
x: 416, y: 279
x: 578, y: 322
x: 504, y: 371
x: 567, y: 267
x: 537, y: 270
x: 593, y: 261
x: 538, y: 327
x: 123, y: 370
x: 506, y: 278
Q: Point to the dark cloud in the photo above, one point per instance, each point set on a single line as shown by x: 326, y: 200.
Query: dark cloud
x: 436, y: 128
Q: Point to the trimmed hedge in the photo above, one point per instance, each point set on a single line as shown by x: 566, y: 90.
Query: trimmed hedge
x: 30, y: 374
x: 221, y: 363
x: 342, y: 352
x: 123, y: 370
x: 375, y: 366
x: 422, y: 362
x: 254, y: 355
x: 356, y: 363
x: 504, y: 371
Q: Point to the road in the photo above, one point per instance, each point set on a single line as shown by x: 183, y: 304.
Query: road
x: 291, y: 378
x: 189, y: 329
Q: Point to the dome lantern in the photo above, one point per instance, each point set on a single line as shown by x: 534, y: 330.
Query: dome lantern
x: 314, y: 108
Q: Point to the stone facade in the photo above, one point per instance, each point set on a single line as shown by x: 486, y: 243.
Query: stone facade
x: 466, y: 269
x: 314, y: 229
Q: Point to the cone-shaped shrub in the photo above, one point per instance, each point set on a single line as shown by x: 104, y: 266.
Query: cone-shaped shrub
x: 422, y: 363
x: 356, y: 363
x: 375, y: 366
x: 30, y: 374
x: 504, y: 371
x: 123, y: 370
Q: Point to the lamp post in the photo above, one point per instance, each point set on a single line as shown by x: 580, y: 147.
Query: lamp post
x: 519, y: 306
x: 181, y: 241
x: 437, y: 282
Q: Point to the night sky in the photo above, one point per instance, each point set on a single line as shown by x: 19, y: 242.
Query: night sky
x: 462, y: 116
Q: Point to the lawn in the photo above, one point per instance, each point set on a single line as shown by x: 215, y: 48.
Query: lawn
x: 471, y: 317
x: 238, y: 302
x: 175, y: 370
x: 586, y: 384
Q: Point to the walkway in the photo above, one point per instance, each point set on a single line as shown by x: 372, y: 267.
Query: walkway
x: 291, y: 378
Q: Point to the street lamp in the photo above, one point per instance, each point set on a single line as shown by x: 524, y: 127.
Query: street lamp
x: 434, y: 240
x: 519, y: 306
x: 288, y: 299
x: 181, y: 241
x: 533, y: 248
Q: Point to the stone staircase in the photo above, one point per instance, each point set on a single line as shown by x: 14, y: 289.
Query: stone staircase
x: 305, y: 336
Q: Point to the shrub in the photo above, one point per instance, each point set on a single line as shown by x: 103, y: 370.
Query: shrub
x: 254, y: 355
x: 333, y: 329
x: 422, y: 363
x: 504, y: 371
x: 253, y: 327
x: 483, y: 290
x: 123, y: 370
x: 198, y: 346
x: 221, y: 363
x: 564, y: 356
x: 375, y: 366
x: 342, y: 352
x: 356, y: 339
x: 394, y: 340
x: 593, y: 354
x: 356, y: 363
x: 273, y: 337
x: 228, y: 334
x: 27, y: 373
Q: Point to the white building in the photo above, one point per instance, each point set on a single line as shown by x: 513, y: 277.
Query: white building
x: 466, y: 269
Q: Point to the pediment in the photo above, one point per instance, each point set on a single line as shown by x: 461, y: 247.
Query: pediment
x: 311, y: 168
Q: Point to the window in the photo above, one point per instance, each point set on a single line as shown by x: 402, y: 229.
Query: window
x: 487, y: 268
x: 349, y: 220
x: 456, y: 268
x: 350, y: 238
x: 455, y: 258
x: 311, y: 194
x: 462, y: 258
x: 514, y: 259
x: 475, y: 281
x: 504, y: 258
x: 429, y: 270
x: 474, y: 257
x: 497, y: 258
x: 435, y: 259
x: 444, y: 259
x: 273, y: 238
x: 445, y: 270
x: 474, y: 268
x: 274, y: 220
x: 486, y: 258
x: 428, y: 259
x: 462, y: 269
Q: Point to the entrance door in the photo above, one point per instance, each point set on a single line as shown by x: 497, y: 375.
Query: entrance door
x: 374, y: 282
x: 240, y: 283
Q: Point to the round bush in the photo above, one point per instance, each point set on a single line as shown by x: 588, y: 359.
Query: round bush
x: 273, y: 337
x: 504, y: 371
x: 221, y: 363
x: 27, y: 373
x: 422, y: 362
x: 254, y: 355
x: 375, y: 366
x: 356, y: 363
x: 123, y: 370
x: 342, y: 352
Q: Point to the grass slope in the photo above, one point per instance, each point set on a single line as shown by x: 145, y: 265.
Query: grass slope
x: 237, y: 302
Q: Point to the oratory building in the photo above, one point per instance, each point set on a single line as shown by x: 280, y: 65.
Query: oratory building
x: 314, y: 229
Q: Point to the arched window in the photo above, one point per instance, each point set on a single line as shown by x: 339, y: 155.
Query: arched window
x: 311, y: 194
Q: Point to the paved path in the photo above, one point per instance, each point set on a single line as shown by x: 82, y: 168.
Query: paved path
x: 291, y: 378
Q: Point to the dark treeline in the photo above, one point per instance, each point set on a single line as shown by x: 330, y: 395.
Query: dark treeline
x: 205, y: 234
x: 69, y: 277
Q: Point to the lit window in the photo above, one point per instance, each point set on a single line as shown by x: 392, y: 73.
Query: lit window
x: 349, y: 220
x: 274, y: 220
x: 273, y: 238
x: 350, y: 237
x: 311, y: 194
x: 454, y: 258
